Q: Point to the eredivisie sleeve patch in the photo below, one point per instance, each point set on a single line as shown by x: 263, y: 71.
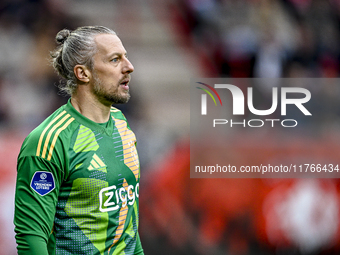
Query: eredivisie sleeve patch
x: 42, y: 182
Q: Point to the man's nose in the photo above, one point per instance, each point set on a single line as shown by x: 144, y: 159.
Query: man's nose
x: 128, y: 67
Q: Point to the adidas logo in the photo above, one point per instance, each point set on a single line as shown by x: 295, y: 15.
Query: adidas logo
x: 97, y: 164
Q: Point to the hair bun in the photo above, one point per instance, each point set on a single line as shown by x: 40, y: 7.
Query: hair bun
x: 62, y: 36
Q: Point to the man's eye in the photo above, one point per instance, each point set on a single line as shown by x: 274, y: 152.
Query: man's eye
x: 114, y: 60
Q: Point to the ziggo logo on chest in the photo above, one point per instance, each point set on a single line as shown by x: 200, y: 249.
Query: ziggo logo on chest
x: 117, y: 197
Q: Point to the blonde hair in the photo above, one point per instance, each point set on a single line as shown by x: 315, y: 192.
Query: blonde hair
x: 75, y: 48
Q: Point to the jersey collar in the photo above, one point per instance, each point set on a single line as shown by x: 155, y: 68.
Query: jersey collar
x: 108, y: 129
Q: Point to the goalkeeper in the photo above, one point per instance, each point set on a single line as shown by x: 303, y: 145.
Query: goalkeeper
x: 77, y: 188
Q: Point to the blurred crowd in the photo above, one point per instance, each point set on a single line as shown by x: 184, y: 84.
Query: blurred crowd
x: 254, y: 39
x: 242, y: 216
x: 263, y: 38
x: 28, y: 84
x: 244, y: 38
x: 267, y: 39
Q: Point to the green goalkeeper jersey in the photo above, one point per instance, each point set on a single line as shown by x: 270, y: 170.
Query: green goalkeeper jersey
x: 77, y: 188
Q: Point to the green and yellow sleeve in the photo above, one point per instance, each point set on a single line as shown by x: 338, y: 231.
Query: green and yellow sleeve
x: 37, y: 187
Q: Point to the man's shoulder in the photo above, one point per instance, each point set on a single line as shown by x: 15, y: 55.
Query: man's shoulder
x: 117, y: 114
x: 44, y: 139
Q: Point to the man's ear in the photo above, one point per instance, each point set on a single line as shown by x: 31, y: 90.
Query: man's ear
x: 82, y: 73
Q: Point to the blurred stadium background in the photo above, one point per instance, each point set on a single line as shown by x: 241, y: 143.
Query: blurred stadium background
x: 170, y: 42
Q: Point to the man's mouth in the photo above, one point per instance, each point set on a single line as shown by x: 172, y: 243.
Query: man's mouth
x: 125, y: 83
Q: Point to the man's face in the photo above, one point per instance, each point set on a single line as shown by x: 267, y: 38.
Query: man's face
x: 111, y: 71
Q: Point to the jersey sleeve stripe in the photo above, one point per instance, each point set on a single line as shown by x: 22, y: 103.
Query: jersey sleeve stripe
x: 51, y: 132
x: 45, y: 130
x: 56, y: 136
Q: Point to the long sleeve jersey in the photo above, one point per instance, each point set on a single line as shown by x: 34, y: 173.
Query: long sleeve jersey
x: 77, y: 188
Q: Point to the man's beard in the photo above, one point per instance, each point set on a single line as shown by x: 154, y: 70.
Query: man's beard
x: 109, y: 97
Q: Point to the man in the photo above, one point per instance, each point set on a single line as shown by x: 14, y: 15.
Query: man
x: 78, y: 176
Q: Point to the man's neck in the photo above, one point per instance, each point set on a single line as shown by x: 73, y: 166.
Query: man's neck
x: 91, y: 108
